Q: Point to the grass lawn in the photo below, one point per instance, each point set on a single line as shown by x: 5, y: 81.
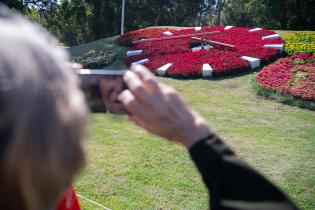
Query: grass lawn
x: 129, y: 169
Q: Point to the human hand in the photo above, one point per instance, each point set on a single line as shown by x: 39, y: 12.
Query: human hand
x: 157, y: 108
x: 74, y: 66
x: 110, y: 89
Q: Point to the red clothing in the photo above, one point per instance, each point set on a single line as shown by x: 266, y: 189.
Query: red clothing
x: 69, y: 201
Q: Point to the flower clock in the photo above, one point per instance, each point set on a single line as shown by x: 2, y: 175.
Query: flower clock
x: 201, y: 51
x: 293, y: 76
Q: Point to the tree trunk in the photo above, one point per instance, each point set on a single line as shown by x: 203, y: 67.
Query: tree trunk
x: 97, y: 5
x: 219, y: 12
x: 157, y: 19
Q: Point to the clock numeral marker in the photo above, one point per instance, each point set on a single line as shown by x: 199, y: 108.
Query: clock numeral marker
x: 134, y: 53
x: 254, y: 62
x: 270, y: 37
x: 198, y: 29
x: 278, y: 47
x: 167, y: 33
x: 207, y: 70
x: 255, y: 29
x: 162, y: 70
x: 144, y: 61
x: 228, y: 27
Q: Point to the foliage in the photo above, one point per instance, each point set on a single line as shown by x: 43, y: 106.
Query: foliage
x: 24, y: 5
x: 298, y: 43
x: 291, y: 76
x: 104, y: 18
x: 273, y: 14
x: 298, y: 77
x: 96, y: 59
x: 236, y: 13
x: 144, y: 13
x: 16, y: 4
x: 80, y: 21
x: 70, y: 22
x: 35, y: 16
x: 186, y: 63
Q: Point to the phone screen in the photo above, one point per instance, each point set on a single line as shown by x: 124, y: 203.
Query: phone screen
x: 101, y: 88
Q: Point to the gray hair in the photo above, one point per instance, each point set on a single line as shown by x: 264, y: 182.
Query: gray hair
x: 43, y: 116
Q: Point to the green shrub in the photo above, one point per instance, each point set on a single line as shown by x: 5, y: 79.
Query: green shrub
x: 96, y: 59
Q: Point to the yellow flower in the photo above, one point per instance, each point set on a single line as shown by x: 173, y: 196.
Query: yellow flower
x: 297, y: 43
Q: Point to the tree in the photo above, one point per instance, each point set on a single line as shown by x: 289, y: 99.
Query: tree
x: 105, y: 16
x: 219, y: 6
x: 236, y: 13
x: 273, y: 14
x: 16, y: 4
x: 70, y: 22
x: 76, y: 21
x: 143, y: 13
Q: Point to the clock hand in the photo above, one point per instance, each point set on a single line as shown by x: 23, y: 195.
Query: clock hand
x: 213, y: 42
x: 175, y: 37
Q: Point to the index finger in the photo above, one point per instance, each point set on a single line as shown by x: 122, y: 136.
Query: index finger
x: 137, y: 86
x: 147, y: 77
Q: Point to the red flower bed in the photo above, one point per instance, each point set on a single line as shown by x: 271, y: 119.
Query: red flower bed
x: 186, y: 63
x: 127, y: 38
x: 294, y: 76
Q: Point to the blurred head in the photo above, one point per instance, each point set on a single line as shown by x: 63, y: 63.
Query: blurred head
x: 42, y: 117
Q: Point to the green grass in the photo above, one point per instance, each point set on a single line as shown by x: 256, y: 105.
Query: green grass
x: 129, y: 169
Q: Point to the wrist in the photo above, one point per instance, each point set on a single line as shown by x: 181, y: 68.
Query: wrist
x: 196, y: 134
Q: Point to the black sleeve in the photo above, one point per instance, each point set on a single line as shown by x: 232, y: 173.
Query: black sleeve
x: 232, y: 184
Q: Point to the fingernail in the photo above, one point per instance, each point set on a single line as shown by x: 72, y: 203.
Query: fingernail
x: 120, y: 96
x: 129, y: 74
x: 135, y: 66
x: 123, y: 95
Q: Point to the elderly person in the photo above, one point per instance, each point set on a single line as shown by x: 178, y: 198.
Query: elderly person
x: 44, y: 115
